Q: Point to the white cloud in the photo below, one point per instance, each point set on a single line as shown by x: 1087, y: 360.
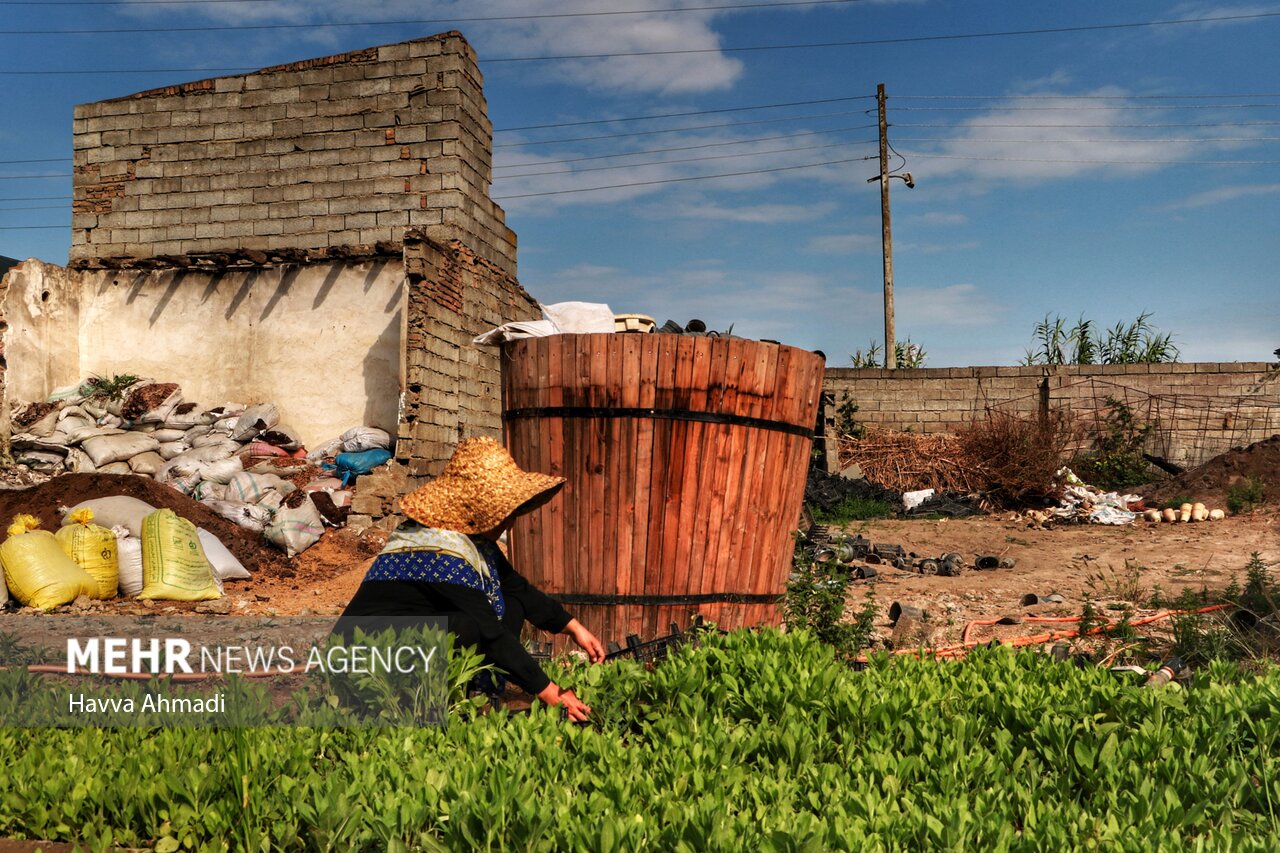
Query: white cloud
x: 934, y: 248
x: 1222, y: 195
x: 1051, y: 135
x: 753, y: 214
x: 956, y: 305
x: 940, y: 218
x: 844, y: 244
x: 736, y: 162
x: 534, y: 36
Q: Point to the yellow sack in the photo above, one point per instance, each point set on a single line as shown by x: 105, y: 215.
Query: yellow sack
x: 37, y: 572
x: 93, y: 549
x: 174, y: 566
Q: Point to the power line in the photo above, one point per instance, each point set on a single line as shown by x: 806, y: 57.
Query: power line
x: 1077, y: 97
x: 923, y: 155
x: 39, y: 198
x: 681, y: 147
x: 421, y: 21
x: 31, y: 227
x: 687, y: 160
x: 689, y: 113
x: 989, y: 139
x: 675, y: 130
x: 43, y: 160
x: 901, y: 39
x: 684, y: 180
x: 122, y: 2
x: 767, y: 47
x: 35, y: 207
x: 1191, y: 124
x: 33, y: 177
x: 1089, y: 108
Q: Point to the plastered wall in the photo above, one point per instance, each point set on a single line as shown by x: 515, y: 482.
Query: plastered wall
x: 325, y: 343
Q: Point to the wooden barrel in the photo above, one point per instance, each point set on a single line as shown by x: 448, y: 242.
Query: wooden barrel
x: 686, y: 460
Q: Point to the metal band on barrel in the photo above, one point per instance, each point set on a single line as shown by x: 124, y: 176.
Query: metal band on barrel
x: 665, y: 600
x: 658, y: 414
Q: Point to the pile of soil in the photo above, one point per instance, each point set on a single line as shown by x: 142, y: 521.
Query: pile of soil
x: 1211, y: 481
x: 43, y: 501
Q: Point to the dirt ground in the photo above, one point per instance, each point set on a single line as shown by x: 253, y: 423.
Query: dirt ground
x: 1070, y: 560
x: 1109, y: 564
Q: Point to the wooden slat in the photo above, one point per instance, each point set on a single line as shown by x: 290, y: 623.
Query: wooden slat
x: 645, y: 465
x: 759, y: 442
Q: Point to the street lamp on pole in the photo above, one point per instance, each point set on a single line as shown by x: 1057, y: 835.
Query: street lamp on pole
x: 886, y: 232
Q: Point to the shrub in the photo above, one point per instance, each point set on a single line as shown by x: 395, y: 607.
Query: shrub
x: 1017, y: 454
x: 1116, y: 461
x: 815, y: 601
x: 1245, y: 495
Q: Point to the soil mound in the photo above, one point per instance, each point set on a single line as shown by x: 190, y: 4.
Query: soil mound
x: 1211, y: 481
x: 68, y: 490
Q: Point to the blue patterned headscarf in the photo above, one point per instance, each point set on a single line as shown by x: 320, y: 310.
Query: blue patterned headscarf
x: 417, y: 553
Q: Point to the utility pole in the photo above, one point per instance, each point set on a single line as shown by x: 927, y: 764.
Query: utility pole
x: 886, y: 234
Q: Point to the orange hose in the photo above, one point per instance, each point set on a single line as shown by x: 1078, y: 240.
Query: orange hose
x: 1036, y: 639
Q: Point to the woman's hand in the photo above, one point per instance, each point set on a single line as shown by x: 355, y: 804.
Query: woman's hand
x: 586, y: 640
x: 574, y: 707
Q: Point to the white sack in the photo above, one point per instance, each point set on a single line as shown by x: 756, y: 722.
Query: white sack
x: 115, y: 511
x: 361, y: 438
x: 225, y: 565
x: 255, y: 420
x: 129, y: 556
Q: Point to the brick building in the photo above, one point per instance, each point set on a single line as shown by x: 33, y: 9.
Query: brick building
x: 317, y: 234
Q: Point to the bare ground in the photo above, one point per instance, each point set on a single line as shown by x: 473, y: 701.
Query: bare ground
x: 1107, y: 564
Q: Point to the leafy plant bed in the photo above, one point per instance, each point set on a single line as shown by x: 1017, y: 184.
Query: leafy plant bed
x: 746, y: 741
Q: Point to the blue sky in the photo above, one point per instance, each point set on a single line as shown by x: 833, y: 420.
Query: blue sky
x: 1096, y: 172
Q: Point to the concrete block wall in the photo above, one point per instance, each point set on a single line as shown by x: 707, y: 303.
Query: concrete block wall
x: 1200, y: 409
x: 452, y: 388
x: 344, y: 150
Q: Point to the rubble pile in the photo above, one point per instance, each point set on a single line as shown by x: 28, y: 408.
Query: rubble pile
x: 241, y: 462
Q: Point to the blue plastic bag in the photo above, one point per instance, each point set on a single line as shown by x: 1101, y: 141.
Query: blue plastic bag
x: 352, y: 465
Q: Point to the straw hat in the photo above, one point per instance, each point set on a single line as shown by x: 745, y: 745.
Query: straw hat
x: 477, y: 490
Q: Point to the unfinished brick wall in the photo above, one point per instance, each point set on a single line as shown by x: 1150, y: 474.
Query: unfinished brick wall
x: 1201, y: 409
x: 317, y: 156
x: 453, y: 388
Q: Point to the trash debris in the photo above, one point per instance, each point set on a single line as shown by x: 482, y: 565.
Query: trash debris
x: 948, y: 504
x: 911, y: 500
x: 828, y: 491
x: 1031, y: 599
x: 131, y: 425
x: 562, y: 318
x: 1082, y: 502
